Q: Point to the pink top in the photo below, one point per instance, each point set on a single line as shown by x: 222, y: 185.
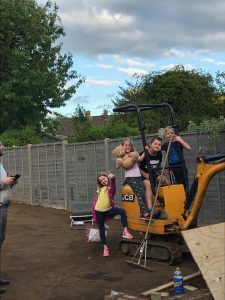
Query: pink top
x: 133, y: 172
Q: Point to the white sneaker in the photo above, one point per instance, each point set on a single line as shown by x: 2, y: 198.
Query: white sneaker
x: 106, y: 226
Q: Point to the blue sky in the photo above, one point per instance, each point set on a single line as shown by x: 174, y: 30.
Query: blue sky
x: 113, y: 39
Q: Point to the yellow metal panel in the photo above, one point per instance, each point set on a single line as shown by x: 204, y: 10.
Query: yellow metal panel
x: 174, y: 198
x: 174, y: 202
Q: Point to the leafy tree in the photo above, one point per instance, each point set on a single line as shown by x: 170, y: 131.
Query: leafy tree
x: 50, y: 123
x: 34, y: 73
x: 25, y: 136
x: 82, y: 121
x: 213, y: 127
x: 86, y: 131
x: 110, y: 131
x: 220, y: 82
x: 120, y: 130
x: 192, y: 94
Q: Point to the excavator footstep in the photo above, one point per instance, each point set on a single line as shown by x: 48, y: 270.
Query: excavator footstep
x: 156, y: 215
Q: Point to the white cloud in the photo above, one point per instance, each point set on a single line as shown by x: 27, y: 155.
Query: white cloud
x: 208, y: 60
x: 172, y: 66
x: 133, y: 66
x: 101, y: 82
x: 92, y: 19
x: 189, y: 67
x: 148, y: 29
x: 180, y: 54
x: 131, y: 71
x: 105, y: 66
x: 167, y: 67
x: 220, y: 63
x: 132, y: 62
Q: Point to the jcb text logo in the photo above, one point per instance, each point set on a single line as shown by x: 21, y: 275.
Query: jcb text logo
x: 129, y: 198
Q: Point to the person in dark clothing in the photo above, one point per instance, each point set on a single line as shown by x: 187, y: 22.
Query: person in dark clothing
x: 176, y: 156
x: 5, y: 196
x: 155, y: 159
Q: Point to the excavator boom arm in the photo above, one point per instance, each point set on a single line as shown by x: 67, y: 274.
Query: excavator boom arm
x: 208, y: 166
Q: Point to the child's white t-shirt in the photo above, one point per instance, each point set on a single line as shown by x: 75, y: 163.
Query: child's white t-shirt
x: 133, y: 172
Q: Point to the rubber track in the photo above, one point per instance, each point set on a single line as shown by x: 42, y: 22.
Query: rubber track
x: 172, y: 250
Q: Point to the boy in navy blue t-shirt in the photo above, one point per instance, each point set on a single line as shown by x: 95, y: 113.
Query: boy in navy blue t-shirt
x: 175, y: 156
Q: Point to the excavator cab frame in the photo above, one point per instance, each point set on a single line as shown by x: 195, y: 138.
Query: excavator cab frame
x: 139, y: 109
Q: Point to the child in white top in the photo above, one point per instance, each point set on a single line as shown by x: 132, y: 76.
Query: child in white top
x: 134, y: 180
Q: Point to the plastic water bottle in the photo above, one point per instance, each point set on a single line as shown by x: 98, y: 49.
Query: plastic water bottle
x: 178, y: 281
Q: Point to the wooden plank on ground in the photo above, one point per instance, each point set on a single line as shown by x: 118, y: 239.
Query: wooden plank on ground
x: 121, y: 296
x: 170, y: 284
x: 207, y: 246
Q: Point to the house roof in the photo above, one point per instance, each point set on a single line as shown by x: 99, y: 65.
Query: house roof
x: 65, y: 127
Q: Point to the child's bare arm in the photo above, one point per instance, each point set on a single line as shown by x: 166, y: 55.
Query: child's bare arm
x: 185, y: 145
x: 110, y: 175
x: 144, y: 174
x: 141, y: 157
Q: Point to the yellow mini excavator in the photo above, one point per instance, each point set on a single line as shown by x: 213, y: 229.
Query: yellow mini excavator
x: 178, y: 208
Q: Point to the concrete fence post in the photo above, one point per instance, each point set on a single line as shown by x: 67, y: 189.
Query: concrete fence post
x: 30, y: 171
x: 106, y: 142
x: 64, y: 143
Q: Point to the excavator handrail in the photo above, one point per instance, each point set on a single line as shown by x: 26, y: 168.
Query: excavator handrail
x: 147, y: 106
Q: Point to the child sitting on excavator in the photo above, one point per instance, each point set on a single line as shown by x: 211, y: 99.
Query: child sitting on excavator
x: 175, y: 156
x: 155, y: 159
x: 134, y: 180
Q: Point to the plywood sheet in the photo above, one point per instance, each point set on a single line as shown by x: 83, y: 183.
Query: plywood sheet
x: 207, y: 246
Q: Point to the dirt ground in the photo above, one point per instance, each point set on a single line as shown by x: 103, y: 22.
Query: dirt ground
x: 45, y: 260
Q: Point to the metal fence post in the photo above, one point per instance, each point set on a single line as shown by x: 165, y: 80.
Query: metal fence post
x: 64, y: 143
x: 30, y: 171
